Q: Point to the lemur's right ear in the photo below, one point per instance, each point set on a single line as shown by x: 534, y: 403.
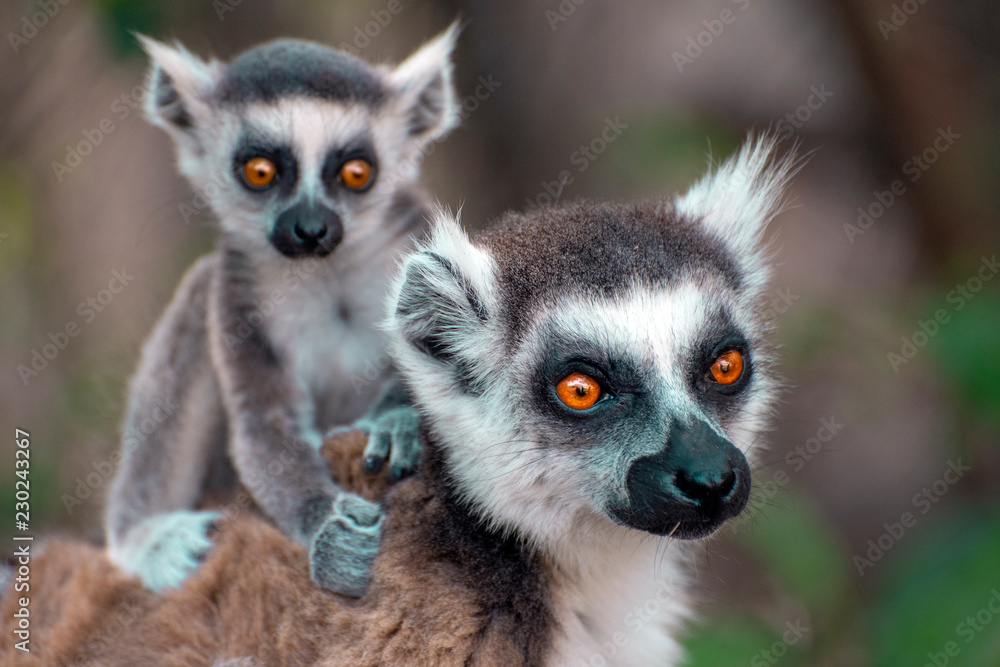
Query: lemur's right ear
x: 180, y: 85
x: 735, y: 201
x: 445, y: 296
x: 425, y: 90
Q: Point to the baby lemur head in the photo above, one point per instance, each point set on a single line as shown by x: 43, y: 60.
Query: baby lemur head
x: 299, y: 147
x: 598, y: 362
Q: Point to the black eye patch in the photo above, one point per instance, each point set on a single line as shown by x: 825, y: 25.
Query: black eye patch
x: 281, y: 155
x: 337, y: 157
x: 719, y: 336
x: 619, y: 378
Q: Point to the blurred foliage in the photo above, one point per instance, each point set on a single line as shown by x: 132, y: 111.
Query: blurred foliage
x: 19, y: 263
x: 45, y: 481
x: 967, y: 355
x: 932, y: 591
x: 803, y: 553
x: 123, y: 18
x: 947, y: 575
x: 739, y: 641
x: 17, y: 216
x: 672, y: 150
x: 939, y: 582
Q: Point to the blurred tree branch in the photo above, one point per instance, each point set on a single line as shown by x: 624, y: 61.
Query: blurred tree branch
x: 922, y: 77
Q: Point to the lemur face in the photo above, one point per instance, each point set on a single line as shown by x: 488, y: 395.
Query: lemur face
x: 599, y: 362
x: 639, y: 386
x: 300, y: 148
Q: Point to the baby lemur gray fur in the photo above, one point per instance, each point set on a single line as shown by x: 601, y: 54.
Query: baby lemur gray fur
x: 314, y: 155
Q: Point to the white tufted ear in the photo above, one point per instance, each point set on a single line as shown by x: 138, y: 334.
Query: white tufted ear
x: 443, y: 306
x: 737, y: 200
x: 424, y: 88
x: 445, y: 293
x: 180, y: 85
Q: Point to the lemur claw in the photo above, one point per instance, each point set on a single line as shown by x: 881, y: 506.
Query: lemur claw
x: 393, y: 435
x: 344, y: 547
x: 165, y: 548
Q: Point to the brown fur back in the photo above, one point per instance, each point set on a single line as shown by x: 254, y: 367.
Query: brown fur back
x: 253, y: 599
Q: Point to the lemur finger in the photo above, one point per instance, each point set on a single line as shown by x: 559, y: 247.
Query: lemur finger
x: 377, y: 450
x: 406, y: 445
x: 214, y: 525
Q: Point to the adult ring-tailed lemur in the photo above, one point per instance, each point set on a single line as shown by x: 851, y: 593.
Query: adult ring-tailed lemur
x: 314, y: 157
x: 594, y: 379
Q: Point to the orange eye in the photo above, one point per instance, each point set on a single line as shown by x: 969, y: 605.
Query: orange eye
x: 356, y: 173
x: 259, y: 172
x: 578, y: 391
x: 728, y: 367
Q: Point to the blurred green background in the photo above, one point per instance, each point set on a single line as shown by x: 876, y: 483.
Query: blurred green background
x: 874, y: 532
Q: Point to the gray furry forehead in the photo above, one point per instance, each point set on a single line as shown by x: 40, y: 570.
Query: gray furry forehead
x: 604, y: 248
x: 292, y: 67
x: 287, y: 67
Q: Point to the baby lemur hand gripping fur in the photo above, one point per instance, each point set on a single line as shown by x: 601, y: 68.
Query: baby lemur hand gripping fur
x: 309, y: 157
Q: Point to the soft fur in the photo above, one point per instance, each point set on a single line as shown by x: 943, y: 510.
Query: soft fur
x: 643, y: 297
x: 270, y: 340
x: 253, y: 600
x: 535, y: 533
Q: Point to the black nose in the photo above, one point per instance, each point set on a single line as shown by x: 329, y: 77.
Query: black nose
x: 307, y: 228
x: 705, y: 487
x: 689, y: 488
x: 310, y: 230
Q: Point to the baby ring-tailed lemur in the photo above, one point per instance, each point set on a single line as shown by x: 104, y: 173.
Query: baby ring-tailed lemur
x: 270, y: 340
x: 590, y: 375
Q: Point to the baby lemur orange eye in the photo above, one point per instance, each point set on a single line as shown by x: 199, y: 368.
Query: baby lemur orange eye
x: 578, y: 391
x: 259, y: 172
x: 728, y: 367
x: 356, y: 173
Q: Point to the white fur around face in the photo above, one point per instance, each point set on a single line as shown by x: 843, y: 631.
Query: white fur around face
x: 555, y: 497
x: 311, y: 128
x: 422, y: 85
x: 625, y: 605
x: 523, y: 483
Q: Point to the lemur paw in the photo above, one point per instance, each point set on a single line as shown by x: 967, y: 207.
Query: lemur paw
x: 393, y: 435
x: 164, y: 549
x: 345, y: 545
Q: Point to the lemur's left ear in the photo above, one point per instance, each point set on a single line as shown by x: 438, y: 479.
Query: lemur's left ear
x: 180, y: 85
x: 445, y: 297
x: 425, y: 90
x: 737, y: 200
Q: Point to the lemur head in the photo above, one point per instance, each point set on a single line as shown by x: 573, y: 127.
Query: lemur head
x: 598, y: 362
x: 299, y: 147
